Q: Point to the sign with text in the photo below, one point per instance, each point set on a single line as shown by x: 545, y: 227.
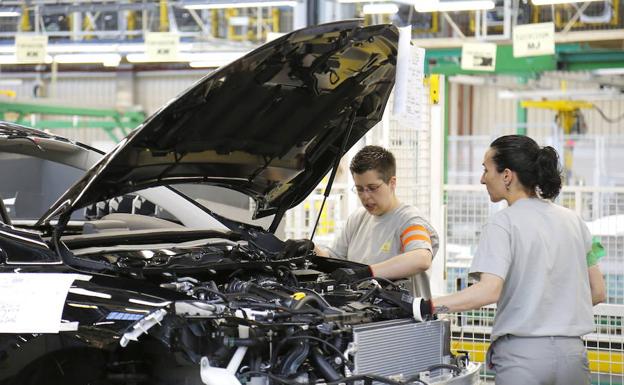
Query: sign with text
x: 534, y: 39
x: 478, y: 56
x: 162, y: 46
x: 31, y: 48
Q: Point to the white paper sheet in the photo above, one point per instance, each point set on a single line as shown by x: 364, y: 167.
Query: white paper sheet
x: 415, y: 99
x: 33, y: 302
x: 403, y: 60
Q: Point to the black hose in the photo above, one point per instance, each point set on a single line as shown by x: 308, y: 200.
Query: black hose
x: 323, y: 366
x: 307, y: 299
x: 387, y: 281
x: 454, y: 368
x: 211, y: 291
x: 295, y: 358
x: 319, y: 299
x: 281, y: 344
x: 368, y: 294
x: 431, y: 368
x: 271, y: 306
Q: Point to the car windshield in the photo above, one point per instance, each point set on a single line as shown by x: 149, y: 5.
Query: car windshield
x: 30, y: 185
x: 223, y: 201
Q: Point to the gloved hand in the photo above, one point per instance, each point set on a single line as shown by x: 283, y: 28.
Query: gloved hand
x: 348, y: 275
x: 296, y: 247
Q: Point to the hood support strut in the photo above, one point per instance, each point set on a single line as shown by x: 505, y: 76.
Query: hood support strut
x: 330, y: 182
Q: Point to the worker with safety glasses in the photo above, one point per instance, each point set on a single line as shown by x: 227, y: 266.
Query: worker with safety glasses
x: 538, y: 262
x: 391, y: 237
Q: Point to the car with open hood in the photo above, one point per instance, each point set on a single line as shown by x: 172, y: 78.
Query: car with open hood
x: 126, y: 279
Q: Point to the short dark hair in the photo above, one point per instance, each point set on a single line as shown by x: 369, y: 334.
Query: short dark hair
x: 374, y: 158
x: 537, y: 167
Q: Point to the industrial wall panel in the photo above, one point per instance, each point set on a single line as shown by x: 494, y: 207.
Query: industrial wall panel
x: 492, y: 115
x: 155, y: 89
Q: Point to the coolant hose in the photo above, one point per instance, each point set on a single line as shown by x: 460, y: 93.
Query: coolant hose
x: 323, y: 366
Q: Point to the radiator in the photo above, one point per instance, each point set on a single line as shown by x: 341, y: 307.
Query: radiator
x: 400, y: 347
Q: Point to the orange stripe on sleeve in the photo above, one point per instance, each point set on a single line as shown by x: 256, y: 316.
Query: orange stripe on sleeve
x: 417, y: 237
x: 414, y: 228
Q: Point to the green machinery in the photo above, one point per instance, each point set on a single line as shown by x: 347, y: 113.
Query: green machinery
x: 116, y: 124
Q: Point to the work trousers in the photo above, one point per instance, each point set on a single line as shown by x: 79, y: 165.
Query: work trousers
x: 539, y: 361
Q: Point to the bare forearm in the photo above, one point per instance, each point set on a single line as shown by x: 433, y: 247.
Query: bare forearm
x: 597, y: 285
x: 484, y: 292
x: 320, y: 251
x: 403, y: 265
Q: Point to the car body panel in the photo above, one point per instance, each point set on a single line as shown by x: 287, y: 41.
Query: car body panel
x: 270, y: 124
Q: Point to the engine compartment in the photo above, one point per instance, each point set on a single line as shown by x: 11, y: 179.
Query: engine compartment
x: 248, y: 313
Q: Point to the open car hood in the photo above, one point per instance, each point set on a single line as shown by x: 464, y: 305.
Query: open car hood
x: 270, y: 124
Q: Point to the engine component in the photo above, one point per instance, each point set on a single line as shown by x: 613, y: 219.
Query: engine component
x: 400, y: 348
x: 142, y: 326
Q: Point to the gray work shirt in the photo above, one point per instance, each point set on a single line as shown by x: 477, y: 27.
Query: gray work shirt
x: 372, y: 239
x: 539, y: 249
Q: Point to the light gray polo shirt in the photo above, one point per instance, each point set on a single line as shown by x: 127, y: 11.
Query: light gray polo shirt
x: 372, y: 239
x: 539, y: 249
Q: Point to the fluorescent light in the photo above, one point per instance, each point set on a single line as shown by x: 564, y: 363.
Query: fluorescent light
x: 451, y: 6
x: 360, y: 1
x: 107, y: 59
x: 224, y: 5
x: 380, y: 9
x: 10, y: 82
x: 608, y: 71
x: 9, y: 14
x: 207, y: 59
x: 556, y: 94
x: 204, y: 64
x: 12, y: 59
x: 551, y: 2
x: 143, y: 58
x: 93, y: 47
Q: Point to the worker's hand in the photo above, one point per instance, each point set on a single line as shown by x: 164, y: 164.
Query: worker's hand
x: 422, y: 308
x: 348, y: 275
x: 296, y: 247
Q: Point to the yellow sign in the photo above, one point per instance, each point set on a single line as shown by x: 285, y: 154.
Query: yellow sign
x: 162, y: 46
x: 31, y: 48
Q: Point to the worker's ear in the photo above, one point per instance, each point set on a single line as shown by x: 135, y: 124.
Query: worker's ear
x: 392, y: 183
x: 507, y: 176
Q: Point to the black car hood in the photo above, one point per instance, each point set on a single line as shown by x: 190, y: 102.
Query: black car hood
x: 269, y: 124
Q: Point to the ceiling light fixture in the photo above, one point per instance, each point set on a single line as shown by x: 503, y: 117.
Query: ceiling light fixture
x: 553, y: 2
x: 452, y: 6
x: 240, y: 4
x: 9, y: 14
x: 12, y: 59
x: 213, y: 59
x: 107, y: 59
x: 93, y: 48
x: 380, y: 9
x: 361, y: 1
x: 608, y: 71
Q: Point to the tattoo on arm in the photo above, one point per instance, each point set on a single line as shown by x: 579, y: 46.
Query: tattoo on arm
x: 440, y: 309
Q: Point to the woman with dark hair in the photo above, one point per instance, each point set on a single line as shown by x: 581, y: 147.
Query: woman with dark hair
x: 534, y: 259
